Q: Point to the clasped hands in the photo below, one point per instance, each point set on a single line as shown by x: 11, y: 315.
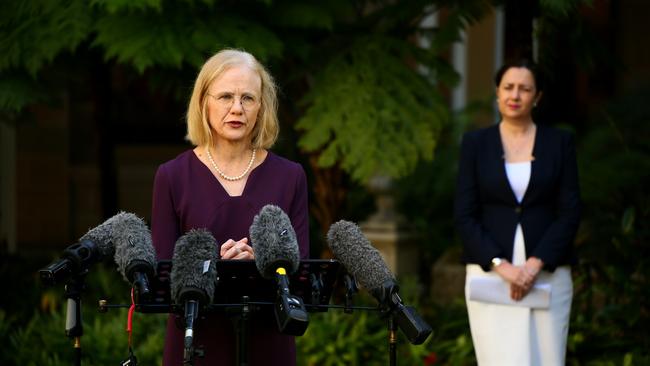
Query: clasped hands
x: 236, y: 249
x: 521, y: 278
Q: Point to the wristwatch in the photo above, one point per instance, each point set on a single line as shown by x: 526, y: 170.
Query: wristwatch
x: 496, y: 261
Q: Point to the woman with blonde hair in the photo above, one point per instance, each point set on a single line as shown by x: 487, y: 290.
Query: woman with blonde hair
x: 220, y: 185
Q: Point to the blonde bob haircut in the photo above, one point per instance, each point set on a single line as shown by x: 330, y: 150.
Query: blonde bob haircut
x: 266, y: 128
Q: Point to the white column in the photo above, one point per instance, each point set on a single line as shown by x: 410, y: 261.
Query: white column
x: 499, y: 47
x: 535, y: 40
x: 459, y: 62
x: 424, y: 41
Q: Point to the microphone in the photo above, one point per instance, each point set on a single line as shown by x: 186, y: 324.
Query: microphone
x: 92, y: 247
x: 354, y: 250
x: 193, y: 277
x: 134, y: 254
x: 276, y: 253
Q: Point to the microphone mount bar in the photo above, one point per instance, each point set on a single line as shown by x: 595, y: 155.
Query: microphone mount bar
x: 104, y: 306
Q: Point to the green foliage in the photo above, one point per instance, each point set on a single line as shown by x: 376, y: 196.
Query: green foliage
x: 361, y: 338
x: 436, y: 180
x: 611, y: 318
x: 142, y: 34
x: 302, y: 15
x: 336, y: 338
x: 558, y: 20
x: 42, y: 340
x: 32, y: 33
x: 562, y: 7
x: 367, y: 103
x: 461, y: 15
x: 370, y: 109
x: 177, y: 34
x: 129, y: 38
x: 33, y: 331
x: 18, y: 91
x: 113, y: 6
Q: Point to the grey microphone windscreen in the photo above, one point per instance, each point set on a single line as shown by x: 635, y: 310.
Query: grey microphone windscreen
x: 102, y: 235
x: 194, y: 273
x: 133, y: 247
x: 274, y: 242
x: 355, y: 252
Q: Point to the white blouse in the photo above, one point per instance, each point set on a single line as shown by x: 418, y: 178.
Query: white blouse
x: 518, y: 177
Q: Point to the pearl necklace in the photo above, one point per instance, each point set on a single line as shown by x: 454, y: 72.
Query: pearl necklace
x: 227, y: 177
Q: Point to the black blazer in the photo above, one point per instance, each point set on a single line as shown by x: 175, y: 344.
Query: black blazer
x: 486, y: 210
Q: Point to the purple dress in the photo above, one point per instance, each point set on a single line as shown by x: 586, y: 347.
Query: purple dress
x: 186, y: 195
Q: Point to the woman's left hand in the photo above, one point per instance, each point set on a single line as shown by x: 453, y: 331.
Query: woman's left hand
x: 533, y: 266
x: 237, y: 249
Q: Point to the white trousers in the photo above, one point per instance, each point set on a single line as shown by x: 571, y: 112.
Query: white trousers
x: 505, y: 335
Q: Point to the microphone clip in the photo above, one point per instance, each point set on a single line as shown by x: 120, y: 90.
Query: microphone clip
x: 290, y: 312
x: 316, y: 282
x: 408, y: 320
x: 131, y: 360
x: 291, y: 315
x: 76, y: 260
x: 351, y: 288
x: 387, y: 295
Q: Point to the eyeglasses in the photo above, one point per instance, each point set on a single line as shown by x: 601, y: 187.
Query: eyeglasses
x: 226, y: 100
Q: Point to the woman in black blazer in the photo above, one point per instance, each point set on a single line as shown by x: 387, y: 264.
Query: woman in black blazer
x: 517, y: 210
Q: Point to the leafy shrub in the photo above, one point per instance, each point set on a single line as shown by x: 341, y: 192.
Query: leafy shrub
x: 361, y: 338
x: 42, y: 341
x: 611, y: 313
x: 38, y: 337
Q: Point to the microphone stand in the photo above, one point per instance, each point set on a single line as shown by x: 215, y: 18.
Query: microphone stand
x: 191, y: 313
x: 392, y: 340
x: 384, y: 294
x: 399, y: 316
x: 73, y: 324
x: 242, y: 332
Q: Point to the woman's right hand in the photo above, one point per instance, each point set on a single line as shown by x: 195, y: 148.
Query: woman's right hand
x: 517, y: 292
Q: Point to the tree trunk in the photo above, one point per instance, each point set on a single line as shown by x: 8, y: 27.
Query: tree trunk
x: 329, y: 195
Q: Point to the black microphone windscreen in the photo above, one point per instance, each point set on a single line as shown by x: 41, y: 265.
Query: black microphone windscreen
x: 361, y: 259
x: 133, y: 247
x: 274, y: 241
x: 194, y: 271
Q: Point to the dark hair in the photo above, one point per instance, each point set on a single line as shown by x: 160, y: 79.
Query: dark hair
x: 525, y: 63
